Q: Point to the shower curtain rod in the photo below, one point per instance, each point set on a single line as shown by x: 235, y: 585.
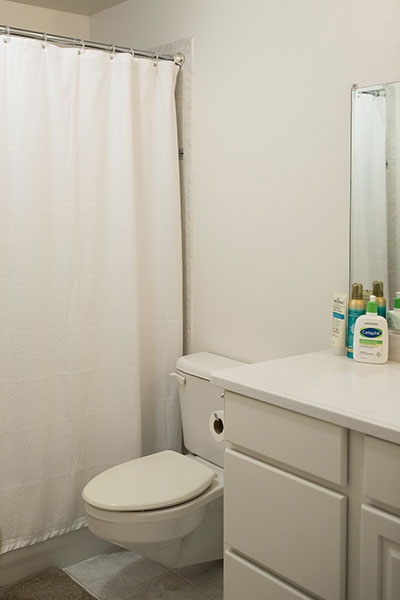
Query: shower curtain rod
x: 178, y: 58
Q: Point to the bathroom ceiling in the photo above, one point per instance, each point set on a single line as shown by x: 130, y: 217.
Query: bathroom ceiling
x: 82, y: 7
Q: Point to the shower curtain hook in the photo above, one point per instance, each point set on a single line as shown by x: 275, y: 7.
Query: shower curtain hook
x: 82, y: 49
x: 179, y: 59
x: 6, y: 39
x: 156, y: 59
x: 132, y: 53
x: 113, y: 52
x: 44, y: 45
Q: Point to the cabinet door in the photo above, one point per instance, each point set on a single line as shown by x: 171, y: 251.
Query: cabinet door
x: 380, y: 561
x: 382, y: 471
x: 294, y: 528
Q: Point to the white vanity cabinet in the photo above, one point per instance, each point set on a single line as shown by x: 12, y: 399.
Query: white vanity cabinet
x: 312, y: 480
x: 276, y: 519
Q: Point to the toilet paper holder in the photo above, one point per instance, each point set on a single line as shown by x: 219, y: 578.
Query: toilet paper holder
x: 218, y: 424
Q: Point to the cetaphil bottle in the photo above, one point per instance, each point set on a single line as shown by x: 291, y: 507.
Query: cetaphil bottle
x: 371, y: 342
x: 393, y: 316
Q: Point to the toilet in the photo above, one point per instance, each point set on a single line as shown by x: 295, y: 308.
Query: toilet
x: 169, y: 506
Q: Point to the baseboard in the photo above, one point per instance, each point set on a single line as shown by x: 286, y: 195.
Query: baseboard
x: 61, y: 551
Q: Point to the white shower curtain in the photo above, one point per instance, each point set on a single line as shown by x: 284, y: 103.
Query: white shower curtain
x: 90, y: 268
x: 369, y: 259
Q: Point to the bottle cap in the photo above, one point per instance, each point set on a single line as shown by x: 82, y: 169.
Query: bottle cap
x: 397, y: 303
x: 357, y: 291
x: 372, y: 306
x: 397, y: 294
x: 377, y: 288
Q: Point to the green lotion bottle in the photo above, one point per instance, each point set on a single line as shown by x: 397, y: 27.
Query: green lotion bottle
x: 356, y: 308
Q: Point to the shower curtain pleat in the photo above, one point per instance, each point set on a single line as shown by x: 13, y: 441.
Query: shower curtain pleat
x: 90, y: 269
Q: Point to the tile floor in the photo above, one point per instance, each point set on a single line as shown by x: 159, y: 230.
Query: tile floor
x: 123, y: 575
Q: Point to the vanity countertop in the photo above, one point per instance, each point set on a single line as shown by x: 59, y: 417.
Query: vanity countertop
x: 325, y: 386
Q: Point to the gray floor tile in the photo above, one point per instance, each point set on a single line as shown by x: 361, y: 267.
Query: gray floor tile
x: 166, y: 587
x: 206, y: 576
x: 110, y: 574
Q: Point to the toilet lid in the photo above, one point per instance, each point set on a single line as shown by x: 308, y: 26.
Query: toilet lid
x: 155, y: 481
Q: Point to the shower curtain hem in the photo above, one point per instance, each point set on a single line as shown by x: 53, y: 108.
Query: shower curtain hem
x: 23, y: 543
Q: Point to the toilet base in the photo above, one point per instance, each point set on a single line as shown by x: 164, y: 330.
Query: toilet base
x: 203, y: 544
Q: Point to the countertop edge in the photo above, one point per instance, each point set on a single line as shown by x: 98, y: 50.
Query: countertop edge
x: 316, y: 411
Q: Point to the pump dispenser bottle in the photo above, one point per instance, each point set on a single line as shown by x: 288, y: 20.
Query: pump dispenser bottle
x: 356, y: 308
x: 393, y: 316
x: 371, y: 343
x: 377, y: 291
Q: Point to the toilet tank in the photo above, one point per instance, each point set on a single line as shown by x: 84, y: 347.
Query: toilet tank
x: 199, y: 399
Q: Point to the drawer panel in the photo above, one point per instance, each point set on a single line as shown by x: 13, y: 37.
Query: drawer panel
x: 292, y: 527
x: 245, y: 580
x: 382, y: 471
x: 299, y: 441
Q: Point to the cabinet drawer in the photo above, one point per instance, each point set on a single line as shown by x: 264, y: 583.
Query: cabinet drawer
x: 245, y: 580
x: 301, y: 442
x: 382, y: 471
x: 292, y: 527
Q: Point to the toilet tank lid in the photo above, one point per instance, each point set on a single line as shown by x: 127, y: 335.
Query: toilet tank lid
x: 202, y: 364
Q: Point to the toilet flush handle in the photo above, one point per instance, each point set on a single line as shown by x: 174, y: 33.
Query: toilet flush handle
x: 179, y: 378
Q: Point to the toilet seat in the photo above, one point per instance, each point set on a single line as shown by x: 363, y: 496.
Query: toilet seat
x: 160, y: 480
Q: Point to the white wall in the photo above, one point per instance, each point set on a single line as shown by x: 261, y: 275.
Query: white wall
x: 271, y: 123
x: 43, y: 19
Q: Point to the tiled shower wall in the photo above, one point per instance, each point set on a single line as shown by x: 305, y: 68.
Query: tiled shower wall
x: 183, y: 95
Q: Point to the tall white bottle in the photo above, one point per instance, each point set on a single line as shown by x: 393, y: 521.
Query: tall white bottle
x: 394, y: 315
x: 371, y: 341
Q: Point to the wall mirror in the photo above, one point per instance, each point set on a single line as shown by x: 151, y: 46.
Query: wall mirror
x: 375, y: 188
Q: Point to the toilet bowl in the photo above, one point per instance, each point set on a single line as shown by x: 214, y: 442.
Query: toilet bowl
x: 172, y: 534
x: 169, y: 506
